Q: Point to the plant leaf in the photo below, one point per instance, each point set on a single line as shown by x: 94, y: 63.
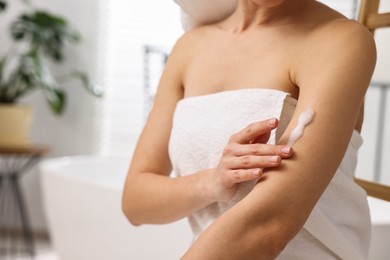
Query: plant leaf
x: 24, y: 78
x: 34, y: 73
x: 92, y: 88
x: 3, y: 6
x: 56, y: 99
x: 45, y: 32
x: 2, y: 64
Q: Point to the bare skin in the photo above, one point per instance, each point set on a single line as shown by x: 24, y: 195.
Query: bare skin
x: 302, y: 47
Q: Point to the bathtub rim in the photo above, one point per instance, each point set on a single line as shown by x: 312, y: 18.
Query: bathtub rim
x: 51, y: 167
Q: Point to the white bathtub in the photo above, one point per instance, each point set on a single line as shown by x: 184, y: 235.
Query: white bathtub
x: 82, y: 198
x: 380, y: 218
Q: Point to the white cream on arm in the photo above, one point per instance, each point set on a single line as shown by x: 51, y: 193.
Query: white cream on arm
x: 304, y: 119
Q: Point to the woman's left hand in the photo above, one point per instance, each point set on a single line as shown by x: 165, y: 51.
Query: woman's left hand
x: 244, y: 158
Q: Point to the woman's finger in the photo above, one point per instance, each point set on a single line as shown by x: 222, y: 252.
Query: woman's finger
x: 259, y: 150
x: 250, y: 161
x: 254, y: 130
x: 262, y: 139
x: 232, y: 177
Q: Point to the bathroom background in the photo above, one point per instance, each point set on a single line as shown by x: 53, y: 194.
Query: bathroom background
x: 115, y: 34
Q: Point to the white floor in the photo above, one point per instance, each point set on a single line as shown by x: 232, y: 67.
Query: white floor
x: 40, y: 256
x: 44, y: 252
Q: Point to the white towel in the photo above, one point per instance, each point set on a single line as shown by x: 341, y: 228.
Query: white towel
x: 339, y: 225
x: 200, y: 12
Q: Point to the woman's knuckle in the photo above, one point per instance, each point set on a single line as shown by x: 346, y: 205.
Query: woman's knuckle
x: 225, y: 180
x: 245, y: 160
x: 223, y: 161
x: 233, y: 138
x: 236, y: 176
x: 255, y: 149
x: 249, y: 129
x: 228, y: 149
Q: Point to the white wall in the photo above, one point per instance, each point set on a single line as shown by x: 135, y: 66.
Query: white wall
x: 383, y: 74
x: 130, y: 27
x: 77, y: 130
x: 367, y: 153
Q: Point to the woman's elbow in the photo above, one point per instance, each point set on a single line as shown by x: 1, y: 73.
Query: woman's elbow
x: 128, y: 209
x: 264, y: 242
x: 281, y: 234
x: 278, y: 242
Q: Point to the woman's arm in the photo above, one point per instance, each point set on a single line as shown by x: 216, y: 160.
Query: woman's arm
x: 150, y: 196
x: 333, y: 78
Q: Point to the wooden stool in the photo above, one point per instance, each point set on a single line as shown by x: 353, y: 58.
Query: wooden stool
x: 14, y: 220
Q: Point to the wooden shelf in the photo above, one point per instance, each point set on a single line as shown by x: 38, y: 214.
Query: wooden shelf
x: 23, y: 149
x: 375, y: 190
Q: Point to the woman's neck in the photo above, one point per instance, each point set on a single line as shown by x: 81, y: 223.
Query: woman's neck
x: 249, y: 14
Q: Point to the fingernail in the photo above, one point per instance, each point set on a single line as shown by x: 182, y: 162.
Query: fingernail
x: 286, y: 150
x: 257, y: 172
x: 274, y: 159
x: 272, y: 122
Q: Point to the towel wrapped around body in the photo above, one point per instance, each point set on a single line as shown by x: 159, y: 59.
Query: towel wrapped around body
x: 339, y: 225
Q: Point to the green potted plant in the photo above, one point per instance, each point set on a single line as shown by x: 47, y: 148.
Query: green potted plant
x: 39, y: 36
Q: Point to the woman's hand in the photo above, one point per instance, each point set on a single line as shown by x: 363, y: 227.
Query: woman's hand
x: 244, y: 158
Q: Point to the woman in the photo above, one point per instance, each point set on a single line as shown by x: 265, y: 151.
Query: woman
x: 269, y: 58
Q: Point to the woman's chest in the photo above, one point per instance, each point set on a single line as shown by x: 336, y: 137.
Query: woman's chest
x: 222, y: 65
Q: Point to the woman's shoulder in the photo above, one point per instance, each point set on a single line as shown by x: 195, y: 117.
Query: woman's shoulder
x: 192, y: 42
x: 340, y: 28
x: 327, y: 26
x: 336, y: 43
x: 197, y: 35
x: 332, y: 41
x: 330, y: 26
x: 340, y: 37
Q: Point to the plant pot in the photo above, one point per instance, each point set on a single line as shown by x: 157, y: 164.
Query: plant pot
x: 15, y: 123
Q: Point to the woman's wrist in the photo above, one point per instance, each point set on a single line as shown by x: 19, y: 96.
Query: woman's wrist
x: 205, y: 190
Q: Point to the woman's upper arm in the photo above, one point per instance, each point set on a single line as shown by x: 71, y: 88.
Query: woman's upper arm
x: 151, y: 153
x: 333, y: 79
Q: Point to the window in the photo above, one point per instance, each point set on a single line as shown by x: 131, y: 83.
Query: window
x: 129, y: 26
